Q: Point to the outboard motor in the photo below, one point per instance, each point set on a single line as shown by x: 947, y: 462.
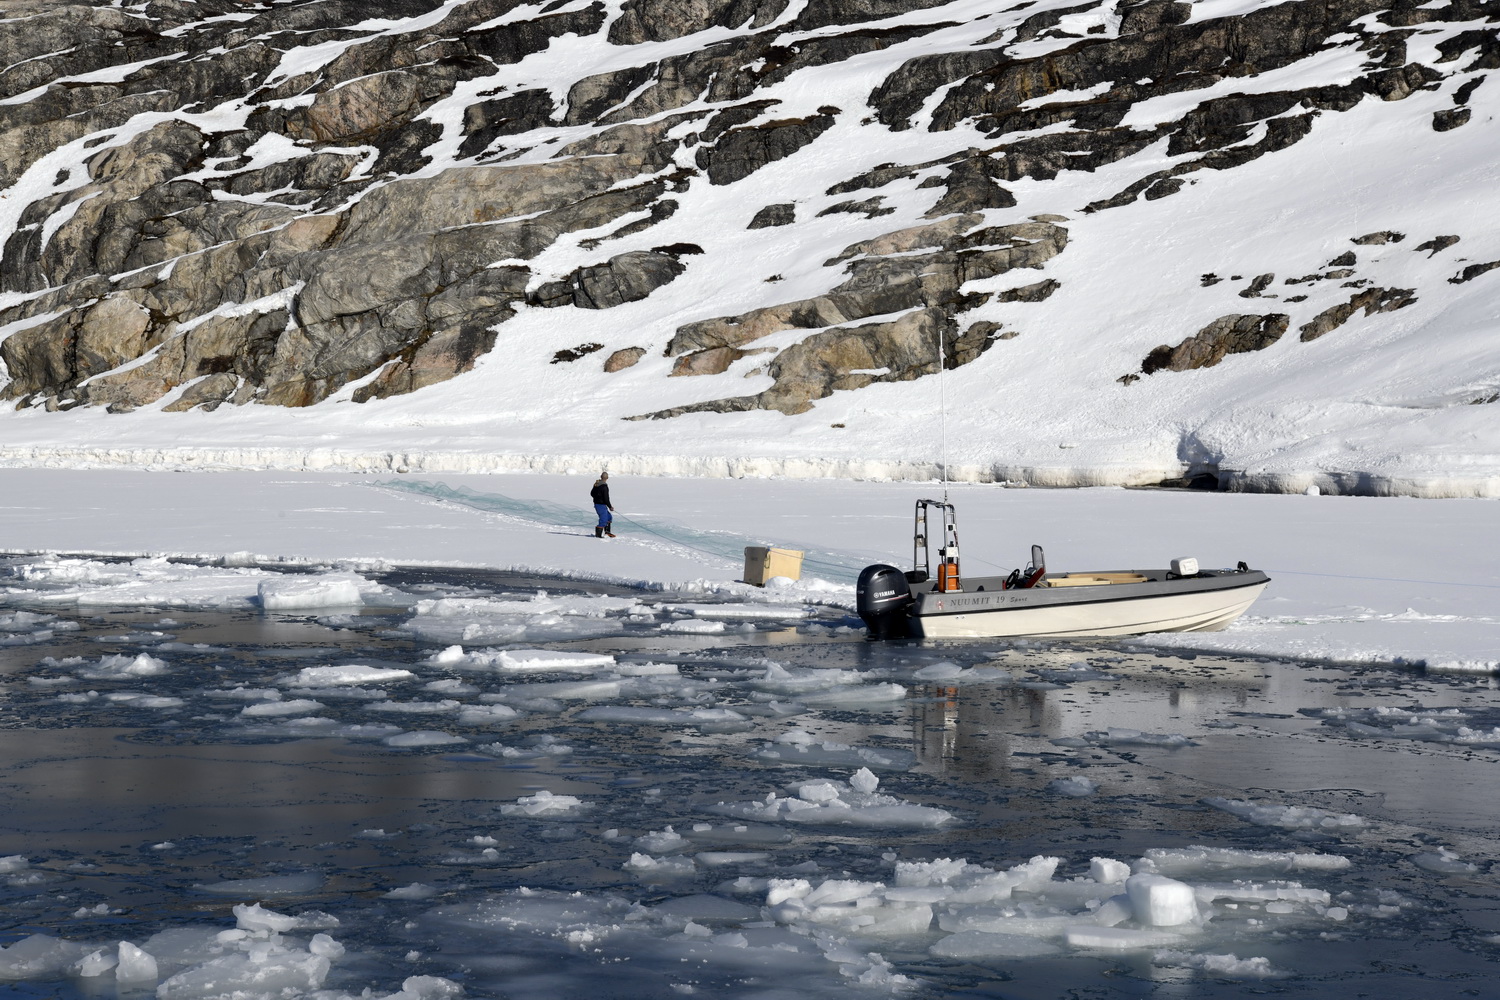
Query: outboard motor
x: 883, y: 600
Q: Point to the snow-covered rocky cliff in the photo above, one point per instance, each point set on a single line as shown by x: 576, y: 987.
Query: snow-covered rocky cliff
x: 1244, y: 240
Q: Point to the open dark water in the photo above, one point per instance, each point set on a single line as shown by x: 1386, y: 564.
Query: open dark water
x: 145, y: 806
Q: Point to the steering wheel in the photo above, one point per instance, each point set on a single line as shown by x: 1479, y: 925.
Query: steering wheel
x: 1014, y: 580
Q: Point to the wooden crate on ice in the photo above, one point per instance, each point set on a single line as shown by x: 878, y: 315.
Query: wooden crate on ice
x: 762, y: 563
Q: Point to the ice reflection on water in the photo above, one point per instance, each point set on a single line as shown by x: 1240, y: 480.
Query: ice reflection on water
x: 140, y: 809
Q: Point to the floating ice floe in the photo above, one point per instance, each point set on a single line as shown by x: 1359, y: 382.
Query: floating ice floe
x: 1119, y: 737
x: 1076, y: 786
x: 1188, y: 861
x: 27, y: 628
x: 160, y: 582
x: 545, y: 745
x: 447, y: 706
x: 741, y: 612
x: 693, y: 626
x: 253, y: 959
x: 1443, y: 861
x: 308, y: 726
x: 542, y: 618
x: 1079, y: 671
x: 295, y: 706
x: 1433, y: 725
x: 486, y: 715
x: 645, y: 864
x: 947, y: 672
x: 663, y: 716
x: 320, y: 590
x: 857, y: 694
x: 110, y: 668
x: 348, y: 675
x: 836, y: 803
x: 521, y: 659
x: 1226, y: 966
x: 797, y: 746
x: 544, y: 803
x: 416, y: 890
x: 423, y: 738
x: 1287, y: 817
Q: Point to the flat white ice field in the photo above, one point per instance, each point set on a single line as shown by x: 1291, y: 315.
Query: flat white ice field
x: 1357, y: 579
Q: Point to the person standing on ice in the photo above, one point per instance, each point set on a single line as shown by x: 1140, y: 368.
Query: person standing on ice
x: 602, y: 506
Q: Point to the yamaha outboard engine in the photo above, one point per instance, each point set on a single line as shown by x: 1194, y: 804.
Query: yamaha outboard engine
x: 883, y: 600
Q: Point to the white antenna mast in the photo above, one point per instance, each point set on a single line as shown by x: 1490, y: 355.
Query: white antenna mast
x: 942, y: 414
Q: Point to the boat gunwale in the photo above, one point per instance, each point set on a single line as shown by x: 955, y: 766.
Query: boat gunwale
x: 1085, y: 595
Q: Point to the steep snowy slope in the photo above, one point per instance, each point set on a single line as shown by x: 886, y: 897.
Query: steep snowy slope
x: 1228, y: 239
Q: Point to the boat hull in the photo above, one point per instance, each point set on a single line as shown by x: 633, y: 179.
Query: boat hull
x: 1108, y: 611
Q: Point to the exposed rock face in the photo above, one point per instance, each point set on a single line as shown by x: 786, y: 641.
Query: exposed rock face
x: 207, y: 204
x: 739, y: 152
x: 1372, y: 301
x: 774, y: 215
x: 888, y: 278
x: 844, y: 358
x: 627, y: 277
x: 624, y: 358
x: 1473, y: 271
x: 1225, y: 335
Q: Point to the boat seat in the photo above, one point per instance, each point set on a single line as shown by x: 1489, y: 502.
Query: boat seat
x: 1093, y: 579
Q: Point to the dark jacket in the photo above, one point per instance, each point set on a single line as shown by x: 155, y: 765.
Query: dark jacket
x: 600, y: 493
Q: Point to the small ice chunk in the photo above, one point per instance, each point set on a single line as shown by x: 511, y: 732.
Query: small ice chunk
x: 427, y: 988
x: 864, y: 780
x: 645, y: 864
x: 661, y: 841
x: 1230, y: 966
x: 483, y: 715
x: 1108, y: 871
x: 417, y: 890
x: 551, y: 659
x: 697, y: 626
x: 96, y: 963
x: 350, y: 674
x: 37, y: 956
x: 1075, y: 787
x: 325, y: 947
x: 818, y: 791
x: 1443, y: 862
x: 1287, y: 817
x: 1118, y: 938
x: 1114, y: 910
x: 296, y: 706
x: 254, y: 917
x: 715, y: 859
x: 543, y: 803
x: 1198, y: 860
x: 423, y: 738
x: 134, y: 965
x: 1160, y: 901
x: 740, y: 612
x: 124, y: 668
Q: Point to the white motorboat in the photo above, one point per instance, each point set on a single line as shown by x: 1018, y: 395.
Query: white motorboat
x: 1033, y: 602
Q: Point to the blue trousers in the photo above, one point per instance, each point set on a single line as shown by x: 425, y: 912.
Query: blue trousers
x: 605, y: 517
